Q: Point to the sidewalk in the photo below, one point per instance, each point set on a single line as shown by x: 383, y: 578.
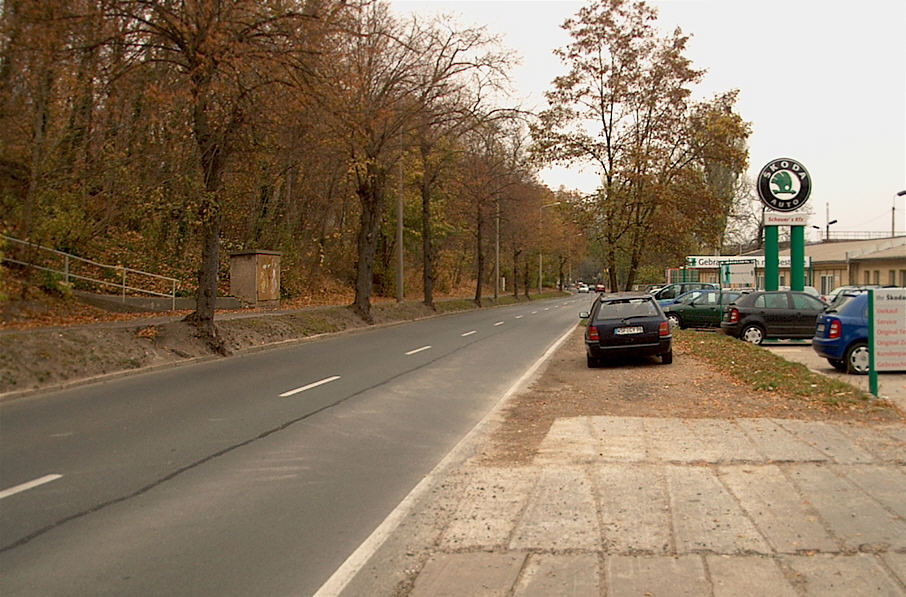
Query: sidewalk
x: 645, y: 506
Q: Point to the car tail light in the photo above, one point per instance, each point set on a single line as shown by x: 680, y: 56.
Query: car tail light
x: 734, y: 315
x: 834, y: 330
x: 593, y: 333
x: 664, y: 329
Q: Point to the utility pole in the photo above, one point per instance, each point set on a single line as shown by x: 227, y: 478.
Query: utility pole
x: 893, y: 214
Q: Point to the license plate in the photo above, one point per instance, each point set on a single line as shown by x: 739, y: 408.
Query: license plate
x: 820, y: 328
x: 635, y: 329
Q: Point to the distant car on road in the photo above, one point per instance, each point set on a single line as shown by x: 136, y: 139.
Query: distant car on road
x: 600, y: 288
x: 700, y: 308
x: 841, y: 334
x: 771, y: 314
x: 582, y: 287
x: 630, y: 323
x: 670, y: 292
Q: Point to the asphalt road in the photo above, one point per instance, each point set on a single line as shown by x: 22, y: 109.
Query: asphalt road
x: 254, y: 475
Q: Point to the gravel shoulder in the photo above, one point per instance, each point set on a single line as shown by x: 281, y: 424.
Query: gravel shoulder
x: 688, y: 388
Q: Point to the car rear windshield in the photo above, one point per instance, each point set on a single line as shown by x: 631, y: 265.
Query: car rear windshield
x: 626, y: 308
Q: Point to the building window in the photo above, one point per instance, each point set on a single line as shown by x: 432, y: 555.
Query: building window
x: 827, y: 283
x: 892, y: 277
x: 877, y: 277
x: 903, y: 278
x: 867, y: 277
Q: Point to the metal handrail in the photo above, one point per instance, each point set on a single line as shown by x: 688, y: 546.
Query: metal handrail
x: 119, y: 269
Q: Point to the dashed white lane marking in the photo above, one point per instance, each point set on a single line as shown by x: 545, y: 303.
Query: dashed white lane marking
x: 418, y: 350
x: 468, y: 333
x: 30, y: 485
x: 519, y: 317
x: 534, y: 312
x: 498, y: 323
x: 310, y: 386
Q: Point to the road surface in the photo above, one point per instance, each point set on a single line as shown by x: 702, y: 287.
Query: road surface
x: 254, y: 475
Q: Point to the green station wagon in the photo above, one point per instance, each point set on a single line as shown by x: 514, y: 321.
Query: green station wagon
x: 700, y: 308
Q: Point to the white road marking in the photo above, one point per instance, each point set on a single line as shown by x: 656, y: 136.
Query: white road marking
x: 30, y: 485
x: 534, y: 312
x: 310, y: 386
x: 418, y: 350
x: 356, y: 561
x: 498, y: 323
x: 468, y: 333
x: 519, y: 317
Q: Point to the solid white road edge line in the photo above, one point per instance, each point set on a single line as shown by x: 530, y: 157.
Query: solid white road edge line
x: 418, y: 350
x: 30, y: 485
x: 354, y: 563
x: 468, y: 333
x: 310, y: 386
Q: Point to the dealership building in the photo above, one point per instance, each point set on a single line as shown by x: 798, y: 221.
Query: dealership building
x: 827, y: 265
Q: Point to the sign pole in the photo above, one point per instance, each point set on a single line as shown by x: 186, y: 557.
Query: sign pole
x: 784, y: 185
x: 797, y: 258
x: 771, y: 258
x: 872, y: 366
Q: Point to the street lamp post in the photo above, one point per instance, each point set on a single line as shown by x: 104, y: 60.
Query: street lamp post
x: 540, y: 232
x: 827, y: 230
x: 893, y: 215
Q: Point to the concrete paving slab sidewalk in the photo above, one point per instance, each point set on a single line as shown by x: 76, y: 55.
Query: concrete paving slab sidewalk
x: 738, y: 507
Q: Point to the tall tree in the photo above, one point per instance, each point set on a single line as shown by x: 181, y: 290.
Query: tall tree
x: 625, y: 108
x: 226, y: 54
x: 466, y: 64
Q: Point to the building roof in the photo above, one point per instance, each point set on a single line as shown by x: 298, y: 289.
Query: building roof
x: 889, y: 253
x: 842, y: 251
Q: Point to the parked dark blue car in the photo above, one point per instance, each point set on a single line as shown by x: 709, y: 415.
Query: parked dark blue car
x: 841, y: 335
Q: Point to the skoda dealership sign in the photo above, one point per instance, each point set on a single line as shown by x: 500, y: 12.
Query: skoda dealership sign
x: 784, y: 185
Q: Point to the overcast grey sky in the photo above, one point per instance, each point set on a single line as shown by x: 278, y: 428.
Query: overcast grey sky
x: 822, y: 82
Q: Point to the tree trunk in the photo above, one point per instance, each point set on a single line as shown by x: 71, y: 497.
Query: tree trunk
x: 211, y: 148
x: 480, y: 256
x: 371, y: 197
x: 516, y: 253
x: 427, y: 244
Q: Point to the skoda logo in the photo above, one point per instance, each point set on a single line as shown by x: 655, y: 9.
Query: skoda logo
x: 784, y: 185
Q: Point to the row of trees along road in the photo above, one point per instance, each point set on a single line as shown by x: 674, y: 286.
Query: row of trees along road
x: 163, y: 134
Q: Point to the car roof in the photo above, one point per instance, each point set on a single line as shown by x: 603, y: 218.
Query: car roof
x: 617, y: 296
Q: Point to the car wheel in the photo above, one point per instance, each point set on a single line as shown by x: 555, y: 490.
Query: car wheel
x: 753, y: 333
x: 837, y: 364
x: 674, y: 320
x: 667, y: 357
x: 857, y: 358
x: 591, y: 361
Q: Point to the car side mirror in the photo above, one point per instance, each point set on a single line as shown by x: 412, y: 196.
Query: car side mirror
x: 583, y: 315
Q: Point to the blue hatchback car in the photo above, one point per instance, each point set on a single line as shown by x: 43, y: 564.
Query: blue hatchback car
x: 841, y: 335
